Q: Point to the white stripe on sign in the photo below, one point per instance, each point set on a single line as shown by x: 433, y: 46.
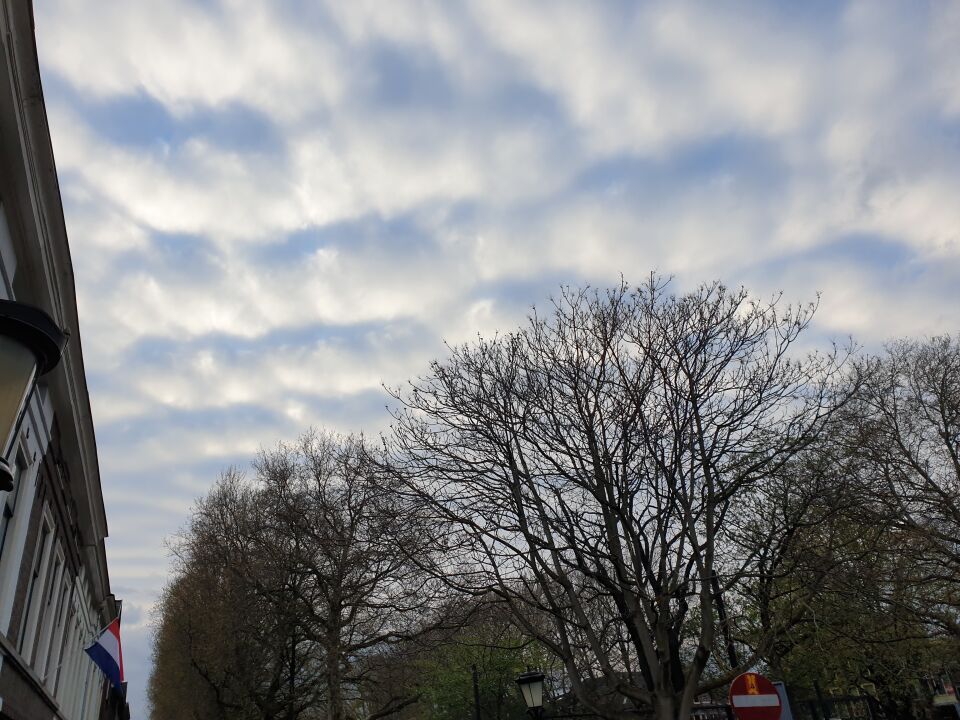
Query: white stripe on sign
x: 756, y: 700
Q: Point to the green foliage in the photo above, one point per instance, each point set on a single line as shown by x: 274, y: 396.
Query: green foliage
x: 861, y: 638
x: 873, y: 655
x: 498, y: 654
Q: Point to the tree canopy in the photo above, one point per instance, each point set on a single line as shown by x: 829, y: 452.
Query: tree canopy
x: 640, y: 491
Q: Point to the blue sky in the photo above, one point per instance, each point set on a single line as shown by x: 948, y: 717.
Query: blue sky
x: 275, y: 208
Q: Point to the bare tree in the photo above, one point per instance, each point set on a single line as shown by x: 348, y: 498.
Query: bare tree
x: 291, y: 585
x: 906, y: 441
x: 229, y: 643
x: 348, y: 544
x: 587, y: 468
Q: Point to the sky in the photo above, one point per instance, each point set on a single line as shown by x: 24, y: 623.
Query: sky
x: 277, y: 208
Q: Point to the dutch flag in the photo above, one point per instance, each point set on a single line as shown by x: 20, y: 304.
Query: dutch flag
x: 106, y: 653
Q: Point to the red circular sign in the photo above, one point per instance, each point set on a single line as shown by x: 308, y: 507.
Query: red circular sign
x: 753, y: 697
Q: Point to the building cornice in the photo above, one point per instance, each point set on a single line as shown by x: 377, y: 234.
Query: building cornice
x: 49, y: 272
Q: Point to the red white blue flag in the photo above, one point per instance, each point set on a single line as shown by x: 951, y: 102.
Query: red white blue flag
x: 106, y: 653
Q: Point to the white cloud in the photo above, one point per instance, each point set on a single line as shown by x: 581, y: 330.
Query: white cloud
x: 924, y: 211
x: 191, y: 188
x: 189, y: 56
x: 662, y: 75
x: 945, y: 48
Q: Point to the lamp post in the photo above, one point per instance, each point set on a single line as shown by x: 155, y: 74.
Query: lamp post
x: 531, y: 687
x: 30, y: 345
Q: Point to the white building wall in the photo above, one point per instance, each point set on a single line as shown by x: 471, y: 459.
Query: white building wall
x: 64, y: 626
x: 67, y: 608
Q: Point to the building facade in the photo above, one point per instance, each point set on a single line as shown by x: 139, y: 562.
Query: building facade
x: 54, y: 587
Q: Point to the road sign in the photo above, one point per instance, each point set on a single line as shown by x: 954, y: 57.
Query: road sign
x: 753, y: 697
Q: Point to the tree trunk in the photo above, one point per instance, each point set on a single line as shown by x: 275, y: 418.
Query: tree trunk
x: 291, y: 679
x: 334, y: 680
x: 665, y: 708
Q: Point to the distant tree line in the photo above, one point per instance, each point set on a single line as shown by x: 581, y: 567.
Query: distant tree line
x: 643, y: 493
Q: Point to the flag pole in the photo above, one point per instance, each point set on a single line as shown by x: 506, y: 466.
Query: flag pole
x: 102, y: 630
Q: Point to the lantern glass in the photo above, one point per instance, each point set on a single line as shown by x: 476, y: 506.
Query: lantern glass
x: 531, y: 687
x: 18, y: 368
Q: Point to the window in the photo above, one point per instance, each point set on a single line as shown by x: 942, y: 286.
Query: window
x: 64, y: 653
x: 48, y: 613
x: 56, y: 637
x: 10, y: 503
x: 31, y: 610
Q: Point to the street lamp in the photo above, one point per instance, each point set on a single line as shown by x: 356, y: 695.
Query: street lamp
x: 531, y: 687
x: 30, y: 345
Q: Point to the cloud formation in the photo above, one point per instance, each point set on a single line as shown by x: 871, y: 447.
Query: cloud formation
x: 274, y: 208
